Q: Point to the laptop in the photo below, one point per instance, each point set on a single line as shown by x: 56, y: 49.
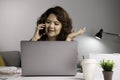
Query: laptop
x: 49, y: 58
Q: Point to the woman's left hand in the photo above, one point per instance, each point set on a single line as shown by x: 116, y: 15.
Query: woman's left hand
x: 73, y: 34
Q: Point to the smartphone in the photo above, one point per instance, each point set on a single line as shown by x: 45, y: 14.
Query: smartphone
x: 42, y: 31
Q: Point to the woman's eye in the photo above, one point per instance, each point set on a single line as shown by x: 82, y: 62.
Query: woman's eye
x: 47, y: 21
x: 56, y: 23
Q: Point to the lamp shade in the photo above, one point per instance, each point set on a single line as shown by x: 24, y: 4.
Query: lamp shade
x: 99, y: 34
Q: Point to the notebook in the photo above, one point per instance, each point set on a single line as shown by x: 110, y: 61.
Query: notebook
x: 49, y: 58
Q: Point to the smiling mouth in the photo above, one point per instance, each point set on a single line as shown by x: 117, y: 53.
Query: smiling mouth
x: 51, y: 30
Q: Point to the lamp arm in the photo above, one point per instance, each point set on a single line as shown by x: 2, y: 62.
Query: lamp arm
x: 111, y: 34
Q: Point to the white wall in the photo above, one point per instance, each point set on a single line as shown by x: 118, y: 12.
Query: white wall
x: 18, y: 21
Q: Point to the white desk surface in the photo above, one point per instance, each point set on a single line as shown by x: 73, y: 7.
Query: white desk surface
x: 79, y: 76
x: 17, y: 75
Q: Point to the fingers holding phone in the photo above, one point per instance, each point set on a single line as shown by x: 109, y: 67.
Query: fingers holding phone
x: 40, y: 31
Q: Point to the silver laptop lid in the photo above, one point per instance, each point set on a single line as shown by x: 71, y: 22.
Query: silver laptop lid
x: 49, y: 57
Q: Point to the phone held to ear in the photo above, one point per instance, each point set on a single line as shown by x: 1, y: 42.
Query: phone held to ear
x: 42, y: 31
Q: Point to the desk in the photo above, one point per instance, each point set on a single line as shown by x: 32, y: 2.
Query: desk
x: 17, y: 76
x: 79, y: 76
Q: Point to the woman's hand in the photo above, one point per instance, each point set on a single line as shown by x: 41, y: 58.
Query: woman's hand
x: 37, y: 35
x: 73, y: 34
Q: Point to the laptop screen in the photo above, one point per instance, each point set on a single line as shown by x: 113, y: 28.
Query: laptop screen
x: 49, y: 57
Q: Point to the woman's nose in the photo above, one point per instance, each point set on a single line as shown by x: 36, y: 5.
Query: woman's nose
x: 52, y: 25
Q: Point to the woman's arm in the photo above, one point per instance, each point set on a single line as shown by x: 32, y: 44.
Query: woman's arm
x: 72, y: 35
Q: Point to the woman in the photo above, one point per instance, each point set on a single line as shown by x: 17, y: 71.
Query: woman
x: 55, y: 25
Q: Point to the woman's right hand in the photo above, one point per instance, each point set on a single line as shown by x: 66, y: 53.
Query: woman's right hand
x: 37, y: 35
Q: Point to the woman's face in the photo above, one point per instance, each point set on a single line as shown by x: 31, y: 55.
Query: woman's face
x: 53, y: 26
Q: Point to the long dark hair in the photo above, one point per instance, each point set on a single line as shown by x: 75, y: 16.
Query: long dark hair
x: 63, y: 17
